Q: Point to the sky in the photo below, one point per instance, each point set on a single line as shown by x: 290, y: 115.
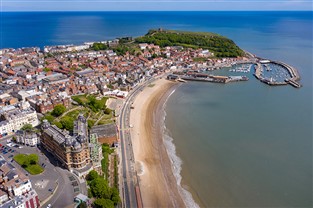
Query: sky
x: 154, y: 5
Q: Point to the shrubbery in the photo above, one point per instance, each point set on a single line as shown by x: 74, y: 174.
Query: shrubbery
x: 100, y: 189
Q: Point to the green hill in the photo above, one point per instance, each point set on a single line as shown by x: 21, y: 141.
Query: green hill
x: 219, y: 45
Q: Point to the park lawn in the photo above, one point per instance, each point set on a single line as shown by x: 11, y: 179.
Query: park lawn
x: 74, y: 114
x: 34, y: 169
x: 105, y: 121
x: 25, y: 161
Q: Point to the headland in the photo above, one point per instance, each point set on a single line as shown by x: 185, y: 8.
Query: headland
x: 124, y: 64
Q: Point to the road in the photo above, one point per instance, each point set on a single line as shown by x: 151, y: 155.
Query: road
x: 129, y: 174
x: 53, y: 182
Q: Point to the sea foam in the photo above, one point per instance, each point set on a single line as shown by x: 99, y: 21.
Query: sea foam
x: 176, y: 162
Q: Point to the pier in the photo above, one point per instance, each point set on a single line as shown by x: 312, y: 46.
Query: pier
x: 216, y: 79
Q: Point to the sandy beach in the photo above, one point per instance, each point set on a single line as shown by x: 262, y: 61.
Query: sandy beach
x: 157, y: 182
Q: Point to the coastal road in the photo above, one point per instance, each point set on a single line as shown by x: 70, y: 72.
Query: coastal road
x: 129, y: 174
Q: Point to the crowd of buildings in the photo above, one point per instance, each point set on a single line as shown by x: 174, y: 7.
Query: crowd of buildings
x: 16, y: 188
x: 44, y: 79
x: 34, y: 81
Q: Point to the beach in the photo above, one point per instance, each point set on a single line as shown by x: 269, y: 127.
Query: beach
x: 157, y: 182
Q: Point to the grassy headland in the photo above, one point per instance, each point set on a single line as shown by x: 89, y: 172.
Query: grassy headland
x: 219, y: 45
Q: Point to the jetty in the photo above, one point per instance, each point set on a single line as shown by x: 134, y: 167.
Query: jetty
x: 214, y: 78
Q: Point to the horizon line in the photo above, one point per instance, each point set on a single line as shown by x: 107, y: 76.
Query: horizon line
x: 2, y: 11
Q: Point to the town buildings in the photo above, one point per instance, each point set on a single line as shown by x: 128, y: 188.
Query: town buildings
x: 71, y: 150
x: 15, y: 188
x: 27, y: 138
x: 14, y: 119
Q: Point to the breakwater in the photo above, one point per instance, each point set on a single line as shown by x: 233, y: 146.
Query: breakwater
x: 291, y: 70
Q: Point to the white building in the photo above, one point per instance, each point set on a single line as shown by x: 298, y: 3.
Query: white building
x: 3, y: 197
x: 21, y: 188
x: 27, y: 138
x: 14, y: 120
x: 28, y: 200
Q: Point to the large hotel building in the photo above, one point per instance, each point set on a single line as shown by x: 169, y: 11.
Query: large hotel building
x: 71, y: 151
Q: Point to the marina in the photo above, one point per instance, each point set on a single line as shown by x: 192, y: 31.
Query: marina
x: 273, y: 73
x: 276, y: 73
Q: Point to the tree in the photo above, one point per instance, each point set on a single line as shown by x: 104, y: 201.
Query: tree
x: 108, y: 111
x: 103, y: 203
x: 32, y: 159
x: 27, y: 127
x: 115, y: 196
x: 92, y: 175
x: 48, y: 117
x: 67, y: 123
x: 58, y: 110
x: 58, y: 124
x: 100, y: 188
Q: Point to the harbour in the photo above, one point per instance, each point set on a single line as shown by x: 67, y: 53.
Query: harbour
x: 293, y: 73
x: 273, y: 73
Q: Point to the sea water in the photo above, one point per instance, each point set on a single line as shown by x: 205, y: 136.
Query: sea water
x: 241, y: 144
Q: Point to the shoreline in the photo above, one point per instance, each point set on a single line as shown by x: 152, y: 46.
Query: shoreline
x: 158, y: 182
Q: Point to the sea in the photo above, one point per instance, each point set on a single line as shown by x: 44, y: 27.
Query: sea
x: 243, y: 144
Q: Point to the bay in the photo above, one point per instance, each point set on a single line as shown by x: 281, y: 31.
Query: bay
x: 241, y: 144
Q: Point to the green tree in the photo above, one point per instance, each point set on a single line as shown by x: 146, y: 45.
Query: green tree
x: 108, y: 111
x: 58, y: 124
x: 115, y: 197
x: 27, y: 127
x: 92, y: 175
x: 32, y: 158
x: 103, y: 203
x: 58, y: 110
x: 100, y: 188
x: 67, y: 123
x: 25, y: 164
x: 48, y: 117
x: 154, y: 56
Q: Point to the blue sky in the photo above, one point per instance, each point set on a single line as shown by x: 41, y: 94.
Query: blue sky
x: 153, y: 5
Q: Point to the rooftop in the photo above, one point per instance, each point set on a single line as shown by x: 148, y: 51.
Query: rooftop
x: 108, y: 130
